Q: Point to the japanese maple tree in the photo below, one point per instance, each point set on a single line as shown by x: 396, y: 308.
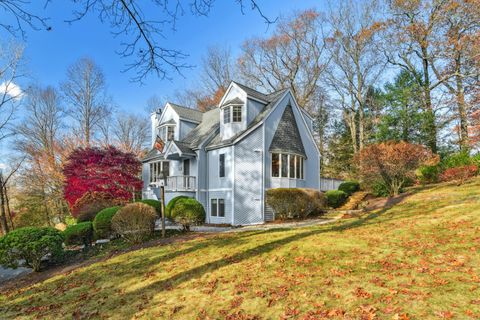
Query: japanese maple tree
x: 393, y: 163
x: 109, y: 171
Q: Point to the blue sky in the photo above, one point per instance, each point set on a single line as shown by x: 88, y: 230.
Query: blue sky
x: 49, y: 53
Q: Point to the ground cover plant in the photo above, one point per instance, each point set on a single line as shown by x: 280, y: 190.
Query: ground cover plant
x: 418, y: 260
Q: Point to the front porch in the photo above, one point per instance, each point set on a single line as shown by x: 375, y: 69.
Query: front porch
x: 181, y: 185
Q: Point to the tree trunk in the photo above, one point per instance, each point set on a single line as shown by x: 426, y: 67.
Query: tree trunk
x: 462, y: 114
x: 3, y: 217
x: 430, y: 126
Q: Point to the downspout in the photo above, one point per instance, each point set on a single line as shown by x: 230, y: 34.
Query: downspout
x: 233, y: 185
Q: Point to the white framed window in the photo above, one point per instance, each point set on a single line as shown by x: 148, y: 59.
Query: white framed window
x: 221, y: 165
x: 217, y: 208
x: 156, y: 170
x: 237, y: 113
x: 226, y: 115
x: 286, y: 165
x: 170, y: 133
x: 167, y: 132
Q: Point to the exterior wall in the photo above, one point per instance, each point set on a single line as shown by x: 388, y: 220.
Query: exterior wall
x: 230, y: 129
x: 311, y: 163
x: 184, y: 128
x: 214, y: 181
x: 227, y: 196
x: 248, y: 179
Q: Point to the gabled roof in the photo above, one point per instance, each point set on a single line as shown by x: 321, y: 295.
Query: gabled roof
x: 252, y: 92
x: 153, y: 154
x: 273, y: 99
x: 171, y: 121
x: 287, y: 137
x: 209, y: 125
x: 186, y: 113
x: 233, y: 101
x: 183, y: 147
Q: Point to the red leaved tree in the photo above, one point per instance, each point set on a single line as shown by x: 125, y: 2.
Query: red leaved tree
x: 393, y: 163
x: 109, y: 171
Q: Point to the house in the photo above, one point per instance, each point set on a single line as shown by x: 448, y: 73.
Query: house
x: 228, y: 157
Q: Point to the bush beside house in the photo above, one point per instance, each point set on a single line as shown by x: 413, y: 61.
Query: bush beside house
x: 291, y: 203
x: 349, y: 187
x: 187, y: 212
x: 171, y: 204
x: 157, y: 205
x: 31, y: 245
x: 135, y: 222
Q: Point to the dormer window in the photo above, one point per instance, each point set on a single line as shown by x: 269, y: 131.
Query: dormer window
x: 237, y: 113
x: 167, y: 132
x: 232, y: 113
x: 226, y: 115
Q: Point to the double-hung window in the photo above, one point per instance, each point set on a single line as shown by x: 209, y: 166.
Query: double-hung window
x: 232, y: 114
x: 217, y: 208
x: 159, y: 169
x: 237, y: 113
x: 170, y: 130
x: 226, y: 115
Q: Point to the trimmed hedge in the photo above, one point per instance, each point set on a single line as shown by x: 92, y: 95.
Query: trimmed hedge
x: 30, y: 244
x: 157, y: 205
x: 78, y: 234
x: 336, y: 198
x: 295, y: 202
x: 349, y: 187
x: 188, y: 212
x: 102, y: 224
x: 171, y: 204
x: 135, y: 222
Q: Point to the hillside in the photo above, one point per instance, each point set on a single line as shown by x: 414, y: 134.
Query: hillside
x: 417, y: 260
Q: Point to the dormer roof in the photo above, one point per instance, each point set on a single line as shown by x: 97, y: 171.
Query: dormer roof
x: 186, y: 113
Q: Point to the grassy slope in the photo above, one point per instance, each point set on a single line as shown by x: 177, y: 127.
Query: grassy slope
x: 419, y: 258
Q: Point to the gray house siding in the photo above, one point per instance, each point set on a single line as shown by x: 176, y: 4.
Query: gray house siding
x: 214, y: 180
x: 185, y: 128
x: 253, y: 109
x: 248, y: 185
x: 227, y: 196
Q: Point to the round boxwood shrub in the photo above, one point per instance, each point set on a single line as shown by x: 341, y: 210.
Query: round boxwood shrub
x: 30, y: 245
x: 102, y: 224
x: 349, y: 187
x: 157, y: 205
x: 171, y: 204
x: 135, y: 222
x: 335, y: 198
x: 78, y: 234
x: 188, y: 212
x: 290, y: 203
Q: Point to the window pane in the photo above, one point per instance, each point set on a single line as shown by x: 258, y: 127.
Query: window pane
x: 170, y: 133
x: 151, y: 172
x: 297, y: 162
x: 292, y: 166
x: 237, y: 113
x: 221, y: 207
x: 222, y: 165
x: 285, y: 165
x: 226, y: 115
x: 301, y: 168
x: 275, y: 165
x: 213, y: 208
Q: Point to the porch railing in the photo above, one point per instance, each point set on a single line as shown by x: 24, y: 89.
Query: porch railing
x: 181, y: 183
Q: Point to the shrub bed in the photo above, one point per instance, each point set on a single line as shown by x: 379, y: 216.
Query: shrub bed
x: 188, y: 212
x: 102, y: 224
x: 135, y: 222
x: 30, y: 244
x: 349, y: 187
x: 78, y: 234
x: 336, y: 198
x: 291, y: 203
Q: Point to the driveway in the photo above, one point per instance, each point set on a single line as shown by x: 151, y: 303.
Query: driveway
x: 7, y: 273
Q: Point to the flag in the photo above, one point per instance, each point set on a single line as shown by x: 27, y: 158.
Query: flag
x: 159, y: 144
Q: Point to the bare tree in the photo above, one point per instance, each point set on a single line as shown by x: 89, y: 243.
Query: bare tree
x: 142, y: 30
x: 293, y: 57
x: 86, y: 97
x: 131, y: 133
x: 40, y: 140
x: 218, y: 69
x: 355, y: 66
x: 154, y: 103
x: 10, y: 92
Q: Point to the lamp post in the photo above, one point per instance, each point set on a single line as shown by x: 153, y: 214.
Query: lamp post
x: 163, y: 182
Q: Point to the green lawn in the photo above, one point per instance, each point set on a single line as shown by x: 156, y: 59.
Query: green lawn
x: 418, y: 260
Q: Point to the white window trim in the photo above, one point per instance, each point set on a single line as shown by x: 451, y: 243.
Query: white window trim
x: 289, y: 156
x: 218, y: 208
x: 230, y: 107
x: 224, y: 166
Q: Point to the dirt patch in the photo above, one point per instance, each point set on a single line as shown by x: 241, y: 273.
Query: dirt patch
x: 385, y: 203
x: 36, y: 277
